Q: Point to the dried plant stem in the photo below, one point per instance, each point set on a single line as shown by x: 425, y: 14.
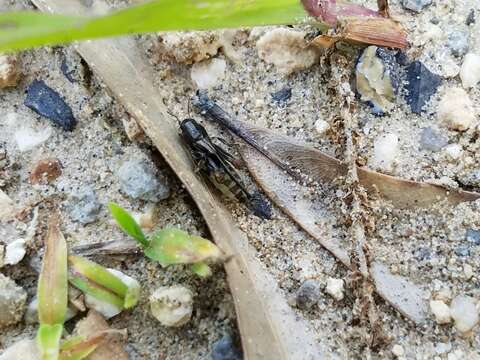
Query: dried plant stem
x: 360, y: 256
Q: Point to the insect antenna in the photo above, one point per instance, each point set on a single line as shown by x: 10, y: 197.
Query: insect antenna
x: 175, y: 116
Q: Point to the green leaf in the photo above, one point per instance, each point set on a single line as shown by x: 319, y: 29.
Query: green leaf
x: 201, y: 269
x: 98, y: 274
x: 52, y: 288
x: 48, y: 338
x: 127, y: 223
x: 96, y: 291
x: 175, y: 246
x: 21, y: 30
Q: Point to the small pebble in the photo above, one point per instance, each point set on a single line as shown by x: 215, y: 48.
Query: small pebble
x: 307, y: 294
x: 172, y: 306
x: 470, y: 70
x: 84, y: 206
x: 398, y: 350
x: 45, y: 171
x: 432, y: 140
x: 12, y: 302
x: 225, y: 349
x: 454, y: 151
x: 47, y: 102
x: 470, y: 18
x: 282, y: 95
x: 468, y: 271
x: 139, y: 181
x: 462, y: 251
x: 209, y: 73
x: 385, y: 151
x: 132, y: 129
x: 464, y: 313
x: 27, y: 138
x: 335, y: 288
x: 321, y: 126
x: 473, y: 236
x: 441, y: 311
x: 458, y: 42
x: 455, y: 110
x: 415, y: 5
x: 442, y: 348
x: 471, y: 179
x: 377, y: 78
x: 287, y: 50
x: 8, y: 70
x: 14, y: 252
x: 146, y: 219
x: 422, y: 84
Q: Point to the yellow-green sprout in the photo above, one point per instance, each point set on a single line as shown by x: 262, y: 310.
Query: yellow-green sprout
x: 103, y: 285
x: 170, y: 246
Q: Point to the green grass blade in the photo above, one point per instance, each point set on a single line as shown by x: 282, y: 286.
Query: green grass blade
x: 96, y: 291
x: 98, y: 274
x: 48, y: 338
x: 20, y: 30
x: 128, y: 224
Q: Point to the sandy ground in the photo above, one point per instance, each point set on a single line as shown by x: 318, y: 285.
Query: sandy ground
x: 418, y: 244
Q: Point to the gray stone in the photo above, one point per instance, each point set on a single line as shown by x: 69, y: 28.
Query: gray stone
x: 473, y: 236
x: 138, y: 180
x: 307, y: 294
x: 415, y: 5
x: 432, y: 140
x: 225, y: 349
x: 471, y: 179
x: 12, y: 301
x: 84, y: 206
x: 462, y: 250
x: 458, y: 42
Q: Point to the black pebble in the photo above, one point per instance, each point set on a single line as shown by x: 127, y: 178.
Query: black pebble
x: 473, y: 236
x: 47, y: 102
x: 470, y: 18
x: 422, y: 84
x: 225, y: 349
x: 282, y: 95
x: 260, y: 206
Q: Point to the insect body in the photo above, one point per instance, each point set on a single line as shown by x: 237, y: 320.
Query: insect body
x: 212, y: 160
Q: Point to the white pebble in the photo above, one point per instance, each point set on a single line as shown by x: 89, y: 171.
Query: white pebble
x: 385, y: 151
x: 335, y: 288
x: 6, y: 206
x: 398, y: 350
x: 14, y: 252
x: 441, y: 311
x: 467, y: 271
x: 208, y: 73
x: 470, y: 70
x: 172, y: 306
x: 321, y: 126
x: 287, y: 50
x: 27, y: 138
x: 464, y: 313
x: 456, y: 110
x: 453, y: 151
